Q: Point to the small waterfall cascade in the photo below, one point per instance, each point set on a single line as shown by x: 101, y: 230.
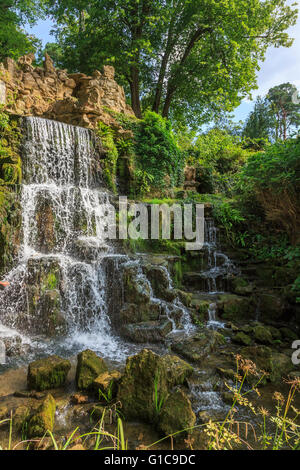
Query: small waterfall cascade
x: 219, y: 266
x: 61, y: 260
x: 212, y: 323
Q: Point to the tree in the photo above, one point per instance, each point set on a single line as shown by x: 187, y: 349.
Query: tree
x: 188, y: 59
x: 14, y: 41
x: 261, y: 122
x: 285, y: 108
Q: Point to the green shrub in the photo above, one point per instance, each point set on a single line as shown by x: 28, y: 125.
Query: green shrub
x: 157, y: 152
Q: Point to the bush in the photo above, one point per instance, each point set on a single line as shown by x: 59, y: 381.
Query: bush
x: 273, y: 178
x: 157, y: 153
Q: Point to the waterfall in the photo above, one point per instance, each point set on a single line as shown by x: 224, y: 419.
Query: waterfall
x: 63, y: 209
x: 219, y: 266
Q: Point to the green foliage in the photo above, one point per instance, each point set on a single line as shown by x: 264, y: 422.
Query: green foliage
x: 10, y: 161
x: 228, y: 215
x: 14, y: 41
x: 157, y: 153
x: 185, y: 59
x: 272, y: 179
x: 106, y: 135
x: 274, y: 117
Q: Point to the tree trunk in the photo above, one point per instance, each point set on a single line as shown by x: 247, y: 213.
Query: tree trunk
x: 135, y: 92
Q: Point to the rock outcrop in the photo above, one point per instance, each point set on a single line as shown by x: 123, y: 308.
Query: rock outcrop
x: 45, y: 91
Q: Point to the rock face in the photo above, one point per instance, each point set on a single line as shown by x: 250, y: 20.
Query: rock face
x: 148, y: 381
x: 72, y: 98
x: 45, y: 374
x: 89, y: 367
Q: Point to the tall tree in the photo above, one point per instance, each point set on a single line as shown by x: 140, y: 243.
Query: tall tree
x: 261, y: 122
x: 14, y: 41
x: 184, y: 58
x: 285, y: 108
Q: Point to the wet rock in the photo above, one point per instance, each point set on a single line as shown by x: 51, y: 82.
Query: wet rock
x: 160, y: 282
x: 271, y: 306
x: 147, y: 332
x: 89, y: 367
x: 145, y: 373
x: 49, y: 373
x: 107, y: 383
x: 233, y: 307
x: 197, y: 347
x: 240, y: 286
x: 262, y: 335
x: 184, y: 297
x: 227, y: 373
x: 43, y: 420
x: 242, y: 338
x: 176, y: 414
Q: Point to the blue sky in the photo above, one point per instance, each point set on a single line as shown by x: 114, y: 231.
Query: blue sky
x: 281, y: 65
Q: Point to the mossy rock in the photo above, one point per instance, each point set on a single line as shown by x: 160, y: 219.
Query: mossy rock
x: 288, y: 334
x: 89, y: 367
x: 240, y: 286
x: 48, y: 373
x: 137, y: 387
x: 276, y: 365
x: 242, y: 338
x: 233, y: 307
x: 176, y: 414
x: 197, y: 347
x: 43, y: 420
x: 20, y: 418
x: 262, y: 335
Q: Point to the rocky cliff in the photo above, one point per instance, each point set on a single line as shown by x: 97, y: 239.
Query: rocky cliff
x: 76, y: 99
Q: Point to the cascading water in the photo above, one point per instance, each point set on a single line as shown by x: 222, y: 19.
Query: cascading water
x: 62, y: 286
x: 62, y: 219
x: 219, y: 265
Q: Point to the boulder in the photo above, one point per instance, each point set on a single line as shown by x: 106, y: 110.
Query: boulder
x: 195, y: 348
x: 242, y: 338
x: 233, y: 307
x: 43, y: 420
x: 48, y: 373
x: 108, y: 383
x: 289, y: 335
x: 262, y: 335
x: 147, y: 332
x: 176, y: 414
x: 276, y: 365
x: 89, y: 367
x: 148, y: 375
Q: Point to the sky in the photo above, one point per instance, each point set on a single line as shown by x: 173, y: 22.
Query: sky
x: 281, y: 65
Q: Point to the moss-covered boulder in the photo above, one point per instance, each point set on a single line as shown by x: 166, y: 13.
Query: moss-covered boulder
x: 176, y: 414
x: 276, y: 365
x: 288, y: 334
x: 234, y: 307
x: 89, y: 367
x: 242, y: 338
x: 48, y: 373
x: 148, y: 332
x: 43, y: 420
x: 197, y: 347
x: 240, y: 286
x: 147, y: 380
x: 262, y: 335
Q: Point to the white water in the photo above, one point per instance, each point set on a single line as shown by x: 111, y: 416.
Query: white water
x: 58, y: 171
